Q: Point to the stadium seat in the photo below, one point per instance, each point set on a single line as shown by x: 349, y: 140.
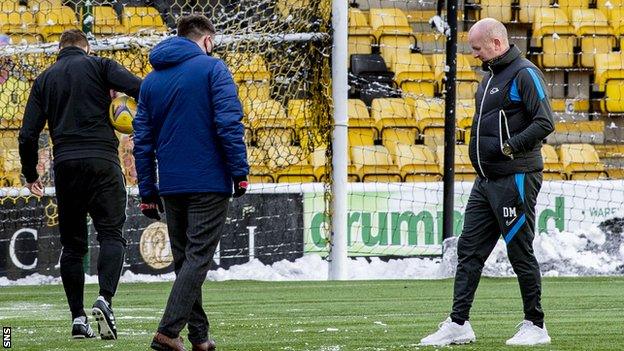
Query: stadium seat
x: 554, y: 34
x: 247, y: 67
x: 416, y: 163
x: 53, y: 21
x: 374, y: 164
x: 570, y: 5
x: 467, y: 79
x: 497, y: 9
x: 392, y: 30
x: 13, y: 97
x: 37, y: 5
x: 464, y: 115
x: 527, y: 9
x: 319, y: 162
x: 106, y: 21
x: 463, y: 167
x: 16, y: 19
x: 553, y: 170
x: 392, y: 113
x: 361, y: 38
x: 413, y: 75
x: 616, y: 21
x: 300, y: 111
x: 581, y: 162
x: 361, y: 137
x: 143, y: 20
x: 578, y: 104
x: 360, y: 118
x: 290, y: 164
x: 370, y: 78
x: 270, y: 123
x: 578, y: 132
x: 393, y: 136
x: 430, y: 42
x: 259, y: 172
x: 290, y: 7
x: 429, y: 115
x: 250, y: 91
x: 609, y: 78
x: 594, y: 32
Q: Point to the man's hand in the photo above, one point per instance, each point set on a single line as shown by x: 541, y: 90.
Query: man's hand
x: 36, y: 187
x: 151, y: 207
x: 240, y: 186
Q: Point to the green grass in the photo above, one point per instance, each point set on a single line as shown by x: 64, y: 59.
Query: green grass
x: 581, y: 314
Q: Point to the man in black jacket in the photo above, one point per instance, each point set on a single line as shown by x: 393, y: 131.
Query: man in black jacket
x: 512, y: 118
x: 73, y: 97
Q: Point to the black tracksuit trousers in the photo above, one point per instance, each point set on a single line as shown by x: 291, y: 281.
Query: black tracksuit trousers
x: 503, y: 206
x: 94, y: 186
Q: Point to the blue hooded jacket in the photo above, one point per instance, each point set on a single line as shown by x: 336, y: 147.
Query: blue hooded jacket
x: 189, y: 120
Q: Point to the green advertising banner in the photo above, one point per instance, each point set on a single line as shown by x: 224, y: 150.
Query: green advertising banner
x: 406, y: 219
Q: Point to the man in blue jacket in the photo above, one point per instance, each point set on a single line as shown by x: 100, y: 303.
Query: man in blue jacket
x: 189, y: 120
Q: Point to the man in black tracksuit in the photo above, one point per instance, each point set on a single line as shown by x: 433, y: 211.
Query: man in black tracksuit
x: 513, y: 116
x: 73, y: 97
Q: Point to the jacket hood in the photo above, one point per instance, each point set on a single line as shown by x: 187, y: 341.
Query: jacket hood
x: 499, y: 63
x: 173, y: 51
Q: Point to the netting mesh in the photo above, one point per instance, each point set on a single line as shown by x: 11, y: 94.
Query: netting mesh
x: 279, y: 54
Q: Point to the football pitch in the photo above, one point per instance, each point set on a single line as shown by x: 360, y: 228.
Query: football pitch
x: 581, y: 314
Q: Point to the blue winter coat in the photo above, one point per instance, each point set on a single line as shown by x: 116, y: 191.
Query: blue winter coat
x: 189, y: 120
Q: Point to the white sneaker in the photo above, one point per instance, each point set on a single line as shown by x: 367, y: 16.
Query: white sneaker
x: 448, y: 333
x: 529, y: 334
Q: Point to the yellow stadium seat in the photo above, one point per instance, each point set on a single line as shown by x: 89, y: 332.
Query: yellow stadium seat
x: 463, y: 167
x: 578, y: 132
x: 578, y: 104
x: 374, y: 164
x: 392, y: 113
x: 430, y: 42
x: 570, y: 5
x: 394, y: 136
x: 361, y: 38
x: 467, y: 78
x: 616, y: 21
x: 13, y: 97
x: 413, y: 74
x: 359, y: 116
x: 290, y: 164
x: 361, y: 136
x: 389, y: 21
x: 250, y: 91
x: 392, y: 30
x: 595, y: 33
x: 429, y: 115
x: 498, y: 9
x: 37, y: 5
x: 17, y: 19
x: 53, y: 21
x: 609, y: 77
x: 553, y: 170
x: 259, y: 172
x: 143, y: 20
x: 581, y: 162
x: 615, y: 172
x: 247, y: 67
x: 270, y: 123
x: 319, y: 162
x: 106, y: 21
x: 610, y: 150
x: 300, y: 110
x: 416, y: 163
x: 555, y: 35
x: 288, y: 7
x: 527, y: 9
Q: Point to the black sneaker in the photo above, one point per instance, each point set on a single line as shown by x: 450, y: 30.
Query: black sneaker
x: 103, y: 314
x: 82, y: 330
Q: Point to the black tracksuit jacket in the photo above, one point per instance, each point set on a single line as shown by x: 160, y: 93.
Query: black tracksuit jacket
x: 73, y: 97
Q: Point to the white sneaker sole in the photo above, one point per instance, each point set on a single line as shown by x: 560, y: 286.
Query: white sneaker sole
x: 540, y: 342
x: 461, y: 341
x: 105, y: 331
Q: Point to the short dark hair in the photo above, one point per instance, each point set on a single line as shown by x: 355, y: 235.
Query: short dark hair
x: 195, y: 26
x: 73, y: 37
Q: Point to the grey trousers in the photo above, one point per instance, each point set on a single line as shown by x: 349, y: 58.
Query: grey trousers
x: 194, y: 222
